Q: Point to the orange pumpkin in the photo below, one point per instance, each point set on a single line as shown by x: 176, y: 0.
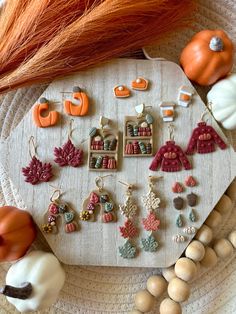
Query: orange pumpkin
x: 44, y: 122
x: 80, y: 104
x: 17, y: 232
x: 207, y: 57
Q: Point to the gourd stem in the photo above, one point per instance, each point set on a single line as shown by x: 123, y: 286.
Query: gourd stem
x: 22, y: 292
x: 216, y: 44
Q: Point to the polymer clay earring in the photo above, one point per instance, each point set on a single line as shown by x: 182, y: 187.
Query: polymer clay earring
x: 57, y: 209
x: 99, y: 198
x: 170, y: 156
x: 128, y: 231
x: 79, y: 105
x: 192, y: 199
x: 68, y: 154
x: 140, y: 84
x: 121, y: 91
x: 36, y: 171
x: 151, y: 223
x: 185, y: 96
x: 167, y: 111
x: 204, y: 138
x: 44, y: 121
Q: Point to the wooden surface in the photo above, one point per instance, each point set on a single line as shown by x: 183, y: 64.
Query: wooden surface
x: 97, y: 243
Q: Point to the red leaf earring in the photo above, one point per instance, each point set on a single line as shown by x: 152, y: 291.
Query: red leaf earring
x: 37, y: 171
x: 68, y: 154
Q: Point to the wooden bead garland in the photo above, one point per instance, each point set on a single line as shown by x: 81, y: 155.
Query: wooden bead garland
x: 185, y: 269
x: 144, y: 301
x: 204, y: 234
x: 223, y: 248
x: 195, y: 251
x: 214, y: 219
x: 210, y: 258
x: 169, y: 273
x: 224, y: 205
x: 156, y: 285
x: 169, y: 306
x: 232, y: 238
x: 178, y: 290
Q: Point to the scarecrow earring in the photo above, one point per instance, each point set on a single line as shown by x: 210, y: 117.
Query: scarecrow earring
x: 56, y: 209
x: 37, y: 171
x: 150, y: 223
x: 128, y: 231
x: 99, y: 198
x: 68, y: 154
x: 42, y: 121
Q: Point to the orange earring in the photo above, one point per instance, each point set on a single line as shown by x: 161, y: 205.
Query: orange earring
x: 121, y: 91
x: 44, y: 122
x: 140, y: 84
x: 79, y: 105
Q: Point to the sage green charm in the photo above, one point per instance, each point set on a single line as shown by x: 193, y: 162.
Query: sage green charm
x: 179, y: 221
x: 69, y: 216
x: 149, y: 244
x: 192, y: 216
x: 108, y: 207
x: 127, y: 250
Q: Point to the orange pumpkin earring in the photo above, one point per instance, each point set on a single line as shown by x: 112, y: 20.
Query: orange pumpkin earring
x: 44, y: 122
x: 79, y: 105
x: 121, y: 91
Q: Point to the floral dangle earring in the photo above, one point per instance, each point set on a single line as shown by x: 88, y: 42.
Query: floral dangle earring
x: 151, y: 223
x: 128, y: 231
x: 68, y: 154
x: 170, y: 156
x: 56, y: 209
x: 99, y: 198
x: 37, y: 171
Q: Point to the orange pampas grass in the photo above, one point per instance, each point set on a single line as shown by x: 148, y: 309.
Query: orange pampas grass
x: 105, y: 30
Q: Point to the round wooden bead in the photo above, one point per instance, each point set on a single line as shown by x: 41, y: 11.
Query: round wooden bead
x: 214, y: 219
x: 231, y: 191
x: 232, y: 238
x: 224, y: 205
x: 144, y: 301
x: 195, y: 251
x: 169, y: 273
x: 135, y: 312
x: 156, y: 285
x: 185, y: 269
x: 223, y: 248
x: 178, y: 290
x: 204, y: 235
x: 169, y: 306
x: 210, y: 258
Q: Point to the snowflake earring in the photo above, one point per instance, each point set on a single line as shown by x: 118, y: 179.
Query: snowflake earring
x: 68, y: 154
x: 99, y: 198
x: 56, y: 209
x: 37, y: 171
x: 150, y: 223
x: 128, y: 231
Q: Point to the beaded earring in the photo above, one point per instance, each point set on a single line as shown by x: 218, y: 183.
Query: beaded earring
x: 129, y: 230
x: 44, y: 121
x: 170, y: 156
x: 57, y: 209
x: 68, y: 154
x: 79, y: 105
x: 151, y: 223
x: 99, y: 198
x: 37, y: 171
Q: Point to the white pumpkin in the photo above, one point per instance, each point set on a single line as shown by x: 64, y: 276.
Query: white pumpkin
x: 222, y: 97
x: 40, y: 276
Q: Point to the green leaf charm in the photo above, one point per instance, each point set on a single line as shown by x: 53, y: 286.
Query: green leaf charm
x: 69, y: 216
x: 108, y: 207
x: 179, y: 221
x: 127, y: 250
x: 149, y: 244
x: 192, y: 216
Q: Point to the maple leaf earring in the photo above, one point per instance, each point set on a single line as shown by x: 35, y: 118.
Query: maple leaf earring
x: 129, y: 230
x: 68, y: 154
x: 36, y: 171
x: 151, y: 223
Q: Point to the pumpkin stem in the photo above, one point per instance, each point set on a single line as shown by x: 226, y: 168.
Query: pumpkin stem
x: 22, y: 292
x: 216, y: 44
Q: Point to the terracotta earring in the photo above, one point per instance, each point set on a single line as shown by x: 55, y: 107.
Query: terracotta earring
x: 121, y: 91
x: 79, y: 105
x: 99, y: 198
x: 56, y: 209
x: 68, y: 154
x: 42, y: 121
x: 37, y: 171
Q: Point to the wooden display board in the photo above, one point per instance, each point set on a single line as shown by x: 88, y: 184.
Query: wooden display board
x: 97, y: 243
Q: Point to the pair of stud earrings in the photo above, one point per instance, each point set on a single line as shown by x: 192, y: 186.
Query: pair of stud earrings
x: 178, y: 187
x: 122, y: 91
x: 151, y: 223
x: 78, y: 106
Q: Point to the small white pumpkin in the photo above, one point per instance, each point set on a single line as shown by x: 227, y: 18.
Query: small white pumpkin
x: 34, y: 282
x: 222, y: 98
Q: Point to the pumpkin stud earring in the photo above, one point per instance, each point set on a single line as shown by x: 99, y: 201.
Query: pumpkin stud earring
x: 37, y: 171
x: 151, y: 223
x: 68, y: 154
x: 56, y: 209
x: 79, y: 105
x: 99, y: 198
x: 129, y: 230
x: 44, y: 121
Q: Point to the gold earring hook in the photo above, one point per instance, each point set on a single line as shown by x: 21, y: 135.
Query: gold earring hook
x: 171, y: 131
x: 128, y: 185
x: 70, y: 129
x: 55, y: 195
x: 99, y: 181
x: 32, y: 147
x: 152, y: 179
x: 203, y: 114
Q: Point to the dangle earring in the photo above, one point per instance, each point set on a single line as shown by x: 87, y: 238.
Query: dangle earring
x: 128, y: 231
x: 170, y: 156
x: 68, y: 154
x: 37, y: 171
x: 99, y: 198
x: 151, y: 223
x: 56, y: 209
